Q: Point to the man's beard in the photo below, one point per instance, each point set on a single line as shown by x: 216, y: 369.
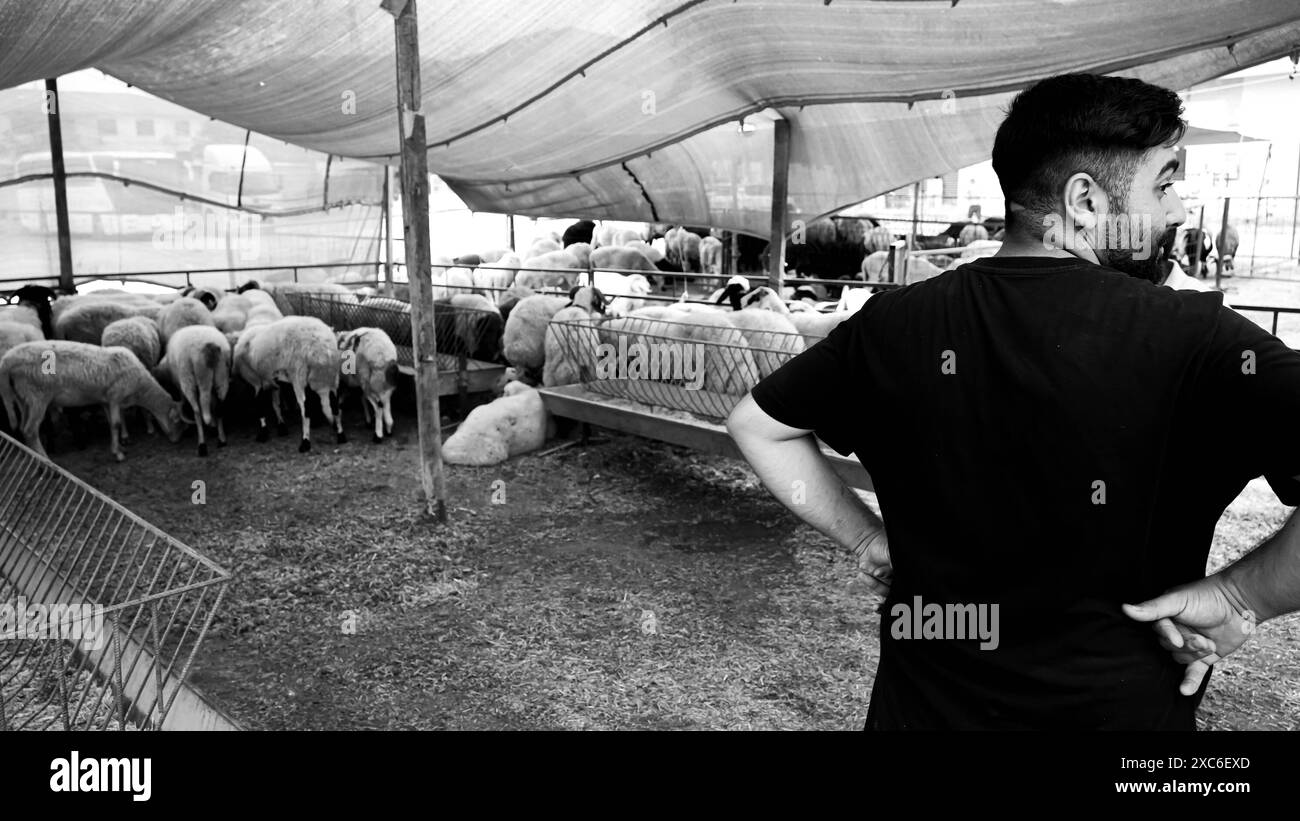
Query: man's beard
x: 1154, y: 268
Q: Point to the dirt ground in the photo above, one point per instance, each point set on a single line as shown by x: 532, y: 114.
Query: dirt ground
x: 623, y: 585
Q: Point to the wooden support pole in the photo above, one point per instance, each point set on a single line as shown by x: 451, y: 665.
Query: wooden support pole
x: 388, y: 234
x: 1200, y: 240
x: 780, y: 189
x: 510, y: 230
x: 415, y: 219
x: 911, y: 234
x: 60, y: 185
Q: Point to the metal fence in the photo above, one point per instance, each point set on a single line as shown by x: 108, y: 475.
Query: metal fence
x: 697, y: 367
x: 103, y: 612
x: 462, y: 333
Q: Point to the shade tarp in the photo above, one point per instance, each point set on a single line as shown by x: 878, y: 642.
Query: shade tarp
x: 630, y: 110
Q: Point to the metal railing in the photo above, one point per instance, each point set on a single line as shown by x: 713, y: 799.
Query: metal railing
x: 699, y: 368
x: 188, y: 273
x: 134, y: 605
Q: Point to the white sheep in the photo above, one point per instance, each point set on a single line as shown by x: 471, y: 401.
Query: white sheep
x: 138, y: 334
x: 570, y: 348
x: 582, y: 251
x: 198, y: 361
x: 231, y: 313
x: 75, y: 374
x: 815, y: 326
x: 711, y: 255
x: 182, y: 313
x: 493, y: 279
x: 627, y: 292
x: 620, y: 257
x: 85, y: 321
x: 561, y: 271
x: 368, y: 363
x: 525, y: 330
x: 513, y: 424
x: 300, y: 350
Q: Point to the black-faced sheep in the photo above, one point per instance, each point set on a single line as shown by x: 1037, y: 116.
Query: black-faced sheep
x: 368, y: 363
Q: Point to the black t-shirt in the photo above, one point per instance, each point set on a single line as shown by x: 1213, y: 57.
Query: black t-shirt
x: 1040, y: 435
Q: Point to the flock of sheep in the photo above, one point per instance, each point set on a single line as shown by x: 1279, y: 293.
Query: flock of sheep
x: 543, y: 312
x: 174, y: 353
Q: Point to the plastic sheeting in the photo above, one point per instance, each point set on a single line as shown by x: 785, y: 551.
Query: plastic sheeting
x: 629, y: 110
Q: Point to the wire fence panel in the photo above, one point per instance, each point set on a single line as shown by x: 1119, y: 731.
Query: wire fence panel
x: 101, y: 613
x: 694, y: 365
x: 461, y: 332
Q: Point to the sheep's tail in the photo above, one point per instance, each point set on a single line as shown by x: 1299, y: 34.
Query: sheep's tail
x: 391, y: 372
x: 212, y: 363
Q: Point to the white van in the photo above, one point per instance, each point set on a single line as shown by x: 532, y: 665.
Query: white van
x: 90, y: 208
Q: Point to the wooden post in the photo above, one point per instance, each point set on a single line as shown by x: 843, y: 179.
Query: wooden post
x: 780, y: 190
x: 60, y: 185
x: 1200, y: 238
x: 415, y: 219
x: 1295, y: 205
x: 510, y: 229
x: 388, y: 235
x: 1223, y: 231
x: 911, y: 235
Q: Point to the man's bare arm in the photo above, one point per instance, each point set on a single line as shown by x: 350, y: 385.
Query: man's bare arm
x: 1267, y: 579
x: 783, y: 456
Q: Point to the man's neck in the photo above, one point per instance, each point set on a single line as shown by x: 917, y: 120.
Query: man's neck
x: 1016, y: 244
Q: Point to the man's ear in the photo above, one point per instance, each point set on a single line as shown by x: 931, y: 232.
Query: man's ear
x: 1083, y: 199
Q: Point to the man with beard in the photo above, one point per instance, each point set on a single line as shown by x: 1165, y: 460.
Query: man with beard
x: 1039, y: 467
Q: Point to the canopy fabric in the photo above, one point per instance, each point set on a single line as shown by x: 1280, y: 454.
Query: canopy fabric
x: 630, y: 110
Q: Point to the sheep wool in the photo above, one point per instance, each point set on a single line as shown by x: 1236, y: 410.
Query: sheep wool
x: 509, y: 426
x: 571, y: 349
x: 182, y: 313
x: 139, y: 335
x: 525, y: 331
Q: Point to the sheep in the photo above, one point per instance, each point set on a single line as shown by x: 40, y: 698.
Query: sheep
x: 85, y: 321
x: 280, y: 291
x: 570, y: 350
x: 626, y: 291
x: 729, y: 365
x: 508, y: 300
x: 711, y: 255
x: 919, y: 269
x: 972, y: 233
x: 449, y: 281
x: 687, y: 246
x: 263, y: 309
x: 183, y: 312
x: 33, y: 308
x: 624, y: 236
x: 603, y: 235
x: 74, y: 374
x: 207, y: 296
x: 542, y: 245
x: 652, y: 252
x: 773, y: 338
x: 558, y: 265
x: 878, y: 238
x: 513, y: 424
x: 874, y: 265
x: 469, y: 324
x: 851, y: 299
x: 391, y: 316
x: 614, y: 256
x: 231, y: 313
x: 582, y: 251
x: 144, y: 305
x: 368, y: 363
x: 13, y: 334
x: 138, y: 334
x: 525, y: 330
x: 300, y: 350
x: 198, y: 361
x: 492, y: 279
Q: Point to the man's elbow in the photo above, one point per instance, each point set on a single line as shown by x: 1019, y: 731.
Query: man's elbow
x: 736, y: 419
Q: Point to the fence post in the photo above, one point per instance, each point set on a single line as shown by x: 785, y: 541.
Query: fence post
x: 1223, y: 232
x: 60, y: 183
x: 1196, y: 248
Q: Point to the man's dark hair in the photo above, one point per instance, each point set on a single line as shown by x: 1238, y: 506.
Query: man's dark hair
x: 1079, y: 122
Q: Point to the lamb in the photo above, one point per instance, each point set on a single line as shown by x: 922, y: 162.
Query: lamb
x: 368, y: 360
x: 300, y: 350
x: 85, y: 321
x: 198, y: 361
x: 513, y: 424
x: 183, y: 312
x: 525, y: 329
x: 493, y: 279
x: 711, y: 255
x: 582, y: 251
x: 687, y: 246
x: 75, y: 374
